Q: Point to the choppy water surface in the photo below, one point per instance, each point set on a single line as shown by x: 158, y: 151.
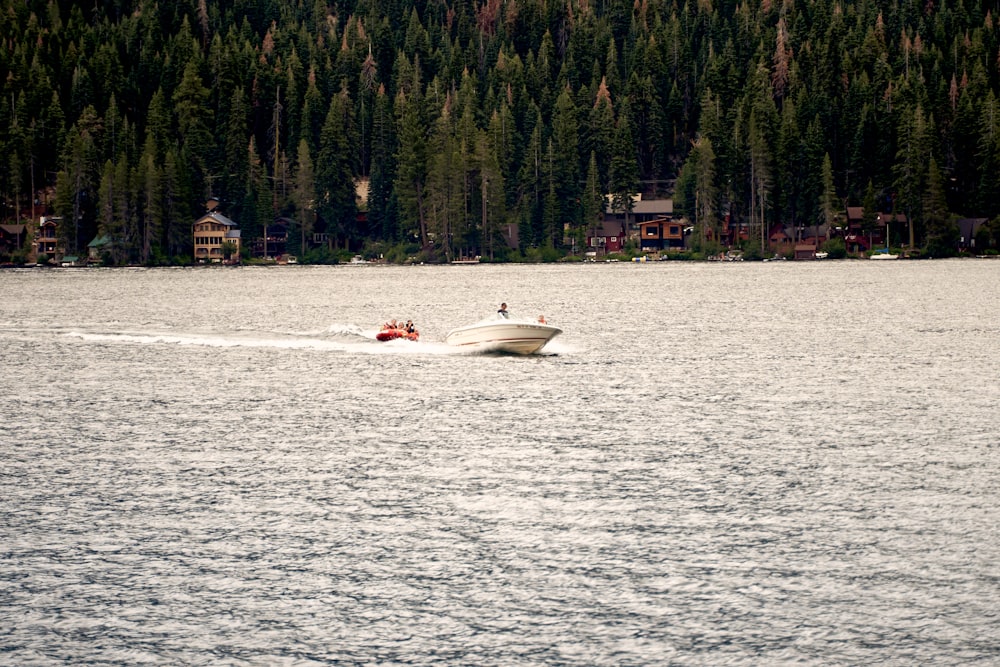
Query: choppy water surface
x: 715, y: 464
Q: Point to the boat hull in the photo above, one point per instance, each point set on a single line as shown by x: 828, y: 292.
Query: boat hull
x: 507, y: 336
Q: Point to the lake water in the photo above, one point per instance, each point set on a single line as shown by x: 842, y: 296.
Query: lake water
x: 747, y: 464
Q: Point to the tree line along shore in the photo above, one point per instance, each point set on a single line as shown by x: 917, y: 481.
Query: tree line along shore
x: 463, y: 121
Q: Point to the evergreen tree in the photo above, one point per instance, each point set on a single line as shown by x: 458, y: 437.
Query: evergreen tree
x: 988, y: 157
x: 869, y: 213
x: 761, y: 181
x: 602, y: 142
x: 194, y: 118
x: 228, y: 185
x: 684, y: 189
x: 445, y: 185
x: 304, y: 195
x: 828, y: 203
x: 313, y: 113
x: 592, y: 201
x: 178, y: 211
x: 646, y: 114
x: 411, y: 165
x: 504, y: 137
x: 111, y: 224
x: 564, y: 165
x: 624, y: 176
x: 471, y: 219
x: 76, y: 193
x: 492, y: 193
x: 150, y: 204
x: 550, y: 214
x: 912, y: 159
x: 258, y: 202
x: 533, y: 188
x: 335, y: 174
x: 813, y: 152
x: 942, y: 232
x: 706, y: 190
x: 380, y: 210
x: 158, y: 122
x: 788, y: 178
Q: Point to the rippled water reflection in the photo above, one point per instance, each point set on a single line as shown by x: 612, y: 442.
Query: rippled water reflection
x: 714, y: 464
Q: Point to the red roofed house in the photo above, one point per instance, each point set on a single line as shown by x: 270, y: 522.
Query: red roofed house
x: 608, y: 237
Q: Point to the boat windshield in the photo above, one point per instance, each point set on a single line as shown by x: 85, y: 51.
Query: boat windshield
x: 511, y: 317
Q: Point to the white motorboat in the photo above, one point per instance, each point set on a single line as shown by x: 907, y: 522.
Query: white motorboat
x: 504, y: 334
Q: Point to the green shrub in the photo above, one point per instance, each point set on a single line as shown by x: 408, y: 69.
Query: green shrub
x: 752, y: 251
x: 321, y: 255
x: 157, y: 258
x: 544, y: 254
x: 835, y: 248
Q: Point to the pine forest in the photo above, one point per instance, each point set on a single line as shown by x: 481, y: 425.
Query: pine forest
x: 464, y: 119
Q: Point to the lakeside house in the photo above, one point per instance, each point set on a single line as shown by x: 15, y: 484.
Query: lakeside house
x: 47, y: 241
x: 97, y: 247
x: 967, y: 229
x: 211, y: 231
x: 606, y: 238
x: 650, y: 224
x: 661, y: 233
x: 805, y: 251
x: 643, y: 210
x: 274, y: 241
x: 859, y: 239
x: 892, y: 226
x: 800, y: 242
x: 12, y: 238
